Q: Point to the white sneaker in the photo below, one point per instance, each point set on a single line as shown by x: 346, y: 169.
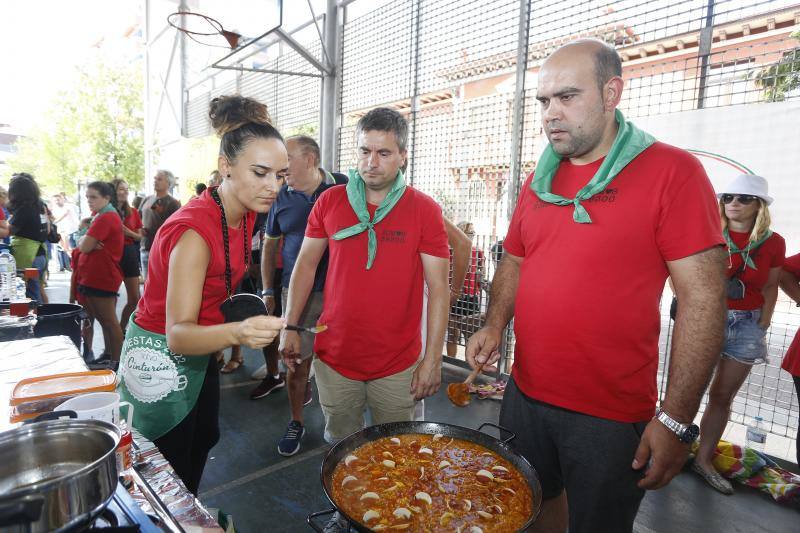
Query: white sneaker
x: 260, y: 373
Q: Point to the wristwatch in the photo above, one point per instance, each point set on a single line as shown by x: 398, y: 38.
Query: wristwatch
x: 687, y: 433
x: 268, y: 292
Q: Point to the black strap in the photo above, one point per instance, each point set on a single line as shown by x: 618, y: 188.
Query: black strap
x: 744, y: 264
x: 225, y: 241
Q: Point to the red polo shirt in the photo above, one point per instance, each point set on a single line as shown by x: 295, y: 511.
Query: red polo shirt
x: 587, y: 315
x: 791, y: 360
x: 373, y: 316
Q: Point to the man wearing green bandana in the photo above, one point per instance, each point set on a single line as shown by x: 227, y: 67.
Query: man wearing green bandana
x: 607, y: 216
x: 384, y: 239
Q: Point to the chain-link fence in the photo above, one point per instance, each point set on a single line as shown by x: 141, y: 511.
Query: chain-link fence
x: 451, y: 68
x: 718, y: 77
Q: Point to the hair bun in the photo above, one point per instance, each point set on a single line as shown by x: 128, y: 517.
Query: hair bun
x: 228, y: 113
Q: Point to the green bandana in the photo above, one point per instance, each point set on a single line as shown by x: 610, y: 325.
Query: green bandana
x: 357, y: 196
x: 629, y: 143
x: 745, y: 252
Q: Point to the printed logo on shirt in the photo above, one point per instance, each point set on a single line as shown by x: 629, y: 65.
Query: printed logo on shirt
x: 149, y: 373
x: 390, y: 235
x: 607, y: 196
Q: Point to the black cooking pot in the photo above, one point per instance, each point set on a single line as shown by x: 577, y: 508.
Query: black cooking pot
x: 345, y: 446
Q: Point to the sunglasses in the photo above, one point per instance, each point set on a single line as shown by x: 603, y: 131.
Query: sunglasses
x: 744, y: 199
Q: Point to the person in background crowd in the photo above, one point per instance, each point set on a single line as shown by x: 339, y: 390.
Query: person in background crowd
x: 384, y: 240
x: 65, y: 215
x: 132, y: 229
x: 755, y: 258
x: 214, y: 178
x: 287, y: 219
x: 179, y: 321
x: 271, y: 365
x: 137, y: 203
x: 790, y: 283
x: 584, y: 283
x: 468, y: 303
x: 4, y: 229
x: 460, y: 250
x: 28, y: 226
x: 155, y: 210
x: 198, y: 190
x: 100, y: 274
x: 87, y: 326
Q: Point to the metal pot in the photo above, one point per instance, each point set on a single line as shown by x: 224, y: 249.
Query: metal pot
x: 351, y: 442
x: 56, y: 474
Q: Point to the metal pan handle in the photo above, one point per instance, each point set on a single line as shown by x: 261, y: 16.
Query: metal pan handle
x: 21, y: 512
x: 501, y: 429
x: 310, y: 519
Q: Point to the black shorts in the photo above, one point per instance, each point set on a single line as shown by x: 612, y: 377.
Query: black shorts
x: 97, y: 293
x: 130, y: 262
x: 589, y: 457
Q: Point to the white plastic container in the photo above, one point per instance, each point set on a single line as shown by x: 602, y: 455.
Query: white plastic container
x: 98, y: 406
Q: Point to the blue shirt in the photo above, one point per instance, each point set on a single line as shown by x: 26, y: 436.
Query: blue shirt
x: 288, y: 217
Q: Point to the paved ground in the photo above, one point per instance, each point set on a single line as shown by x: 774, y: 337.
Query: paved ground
x: 264, y: 491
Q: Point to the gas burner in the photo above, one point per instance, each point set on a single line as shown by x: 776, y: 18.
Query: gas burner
x: 122, y: 515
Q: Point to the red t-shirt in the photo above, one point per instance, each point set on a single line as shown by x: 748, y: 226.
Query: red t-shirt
x: 373, y: 316
x: 133, y: 222
x: 203, y: 216
x: 99, y: 268
x: 587, y: 316
x: 791, y: 360
x: 472, y: 282
x: 769, y: 255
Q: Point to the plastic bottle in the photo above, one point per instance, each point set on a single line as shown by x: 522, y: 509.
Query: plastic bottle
x: 8, y: 273
x: 20, y: 288
x: 756, y: 435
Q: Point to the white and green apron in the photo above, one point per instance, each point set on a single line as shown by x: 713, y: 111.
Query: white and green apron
x: 161, y: 385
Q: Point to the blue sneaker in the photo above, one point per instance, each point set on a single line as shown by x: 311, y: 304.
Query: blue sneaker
x: 290, y: 443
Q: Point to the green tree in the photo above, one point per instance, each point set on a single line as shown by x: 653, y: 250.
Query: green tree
x: 781, y: 77
x: 93, y: 129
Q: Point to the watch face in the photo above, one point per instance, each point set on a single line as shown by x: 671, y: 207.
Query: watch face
x: 690, y: 434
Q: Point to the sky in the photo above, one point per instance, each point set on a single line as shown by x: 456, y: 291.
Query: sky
x: 42, y: 41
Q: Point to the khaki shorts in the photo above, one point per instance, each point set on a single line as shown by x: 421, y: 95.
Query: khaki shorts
x: 308, y: 319
x: 343, y: 400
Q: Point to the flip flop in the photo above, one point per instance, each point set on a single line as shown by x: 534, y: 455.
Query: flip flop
x: 231, y: 366
x: 717, y: 482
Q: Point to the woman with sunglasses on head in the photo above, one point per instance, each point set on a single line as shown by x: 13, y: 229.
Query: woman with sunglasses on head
x: 756, y: 256
x: 185, y: 313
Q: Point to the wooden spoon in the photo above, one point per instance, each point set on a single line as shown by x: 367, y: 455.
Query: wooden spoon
x: 459, y: 392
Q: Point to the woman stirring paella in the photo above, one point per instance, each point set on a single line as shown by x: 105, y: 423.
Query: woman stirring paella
x: 185, y: 312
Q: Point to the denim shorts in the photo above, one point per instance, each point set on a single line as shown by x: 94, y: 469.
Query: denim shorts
x: 745, y: 341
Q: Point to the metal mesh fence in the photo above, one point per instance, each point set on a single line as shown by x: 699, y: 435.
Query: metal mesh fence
x: 450, y: 68
x: 293, y: 100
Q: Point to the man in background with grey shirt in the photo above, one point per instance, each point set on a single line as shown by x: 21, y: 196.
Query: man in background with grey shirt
x: 155, y: 210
